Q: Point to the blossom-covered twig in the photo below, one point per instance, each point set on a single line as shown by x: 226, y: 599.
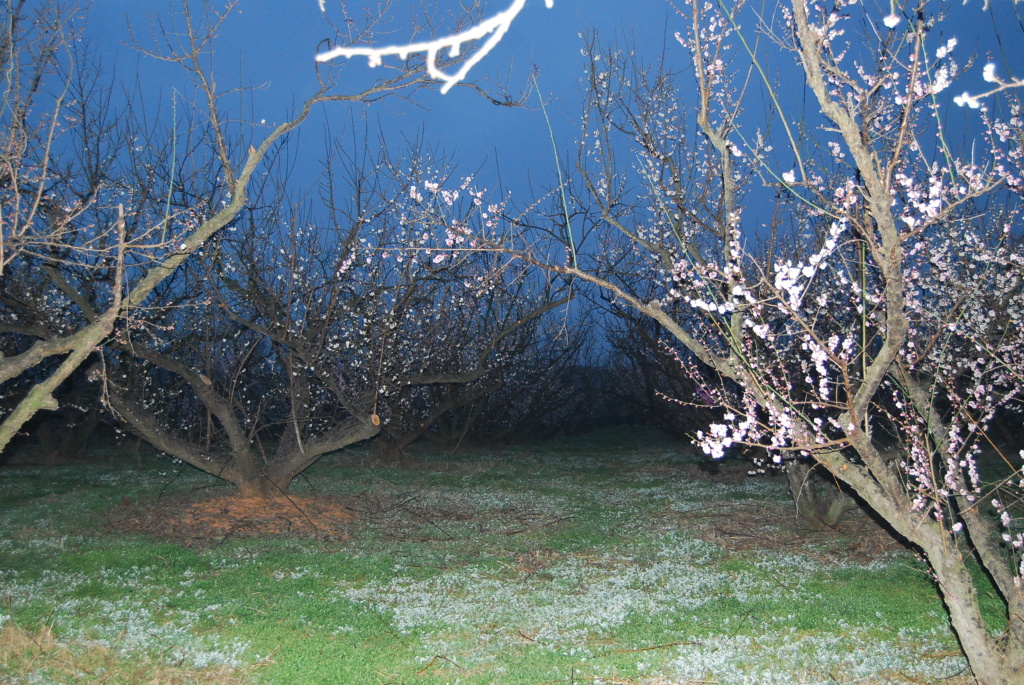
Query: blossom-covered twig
x: 989, y: 74
x: 495, y: 27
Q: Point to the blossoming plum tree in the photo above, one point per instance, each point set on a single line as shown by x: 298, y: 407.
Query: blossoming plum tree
x: 93, y: 218
x: 87, y: 229
x: 487, y: 343
x: 864, y: 319
x: 284, y: 350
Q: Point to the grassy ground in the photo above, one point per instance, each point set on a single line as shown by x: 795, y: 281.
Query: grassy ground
x: 615, y: 558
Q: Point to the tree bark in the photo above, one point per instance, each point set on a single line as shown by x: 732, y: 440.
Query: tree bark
x: 819, y: 502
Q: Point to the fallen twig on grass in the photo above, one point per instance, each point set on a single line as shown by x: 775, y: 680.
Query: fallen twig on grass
x: 427, y: 519
x: 539, y: 525
x: 531, y: 639
x: 434, y: 660
x: 269, y: 658
x: 647, y: 649
x: 387, y: 625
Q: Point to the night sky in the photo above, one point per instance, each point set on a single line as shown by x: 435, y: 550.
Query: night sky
x: 273, y: 43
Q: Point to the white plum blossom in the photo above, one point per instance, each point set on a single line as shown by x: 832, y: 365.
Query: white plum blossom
x: 966, y: 98
x: 945, y: 49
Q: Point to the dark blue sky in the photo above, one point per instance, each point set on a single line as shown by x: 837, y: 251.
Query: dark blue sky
x: 272, y: 43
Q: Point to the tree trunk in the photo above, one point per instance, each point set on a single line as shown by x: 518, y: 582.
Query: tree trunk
x: 389, y: 449
x: 260, y: 486
x: 819, y: 502
x: 995, y: 660
x: 253, y: 480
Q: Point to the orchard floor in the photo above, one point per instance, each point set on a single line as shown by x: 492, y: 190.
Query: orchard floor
x: 617, y: 558
x: 214, y: 520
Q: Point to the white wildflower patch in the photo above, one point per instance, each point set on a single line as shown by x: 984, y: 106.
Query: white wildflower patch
x: 773, y: 656
x: 575, y: 602
x: 137, y: 624
x: 295, y: 574
x: 569, y: 602
x: 130, y: 630
x: 581, y: 561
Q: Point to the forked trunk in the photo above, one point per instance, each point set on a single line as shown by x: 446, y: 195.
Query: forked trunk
x: 994, y: 659
x: 819, y: 502
x: 260, y: 487
x: 253, y: 480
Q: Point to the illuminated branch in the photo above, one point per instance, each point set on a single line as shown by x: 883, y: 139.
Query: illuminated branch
x: 974, y: 101
x: 495, y: 27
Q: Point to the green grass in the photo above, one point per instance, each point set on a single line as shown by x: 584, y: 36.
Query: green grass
x: 588, y: 560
